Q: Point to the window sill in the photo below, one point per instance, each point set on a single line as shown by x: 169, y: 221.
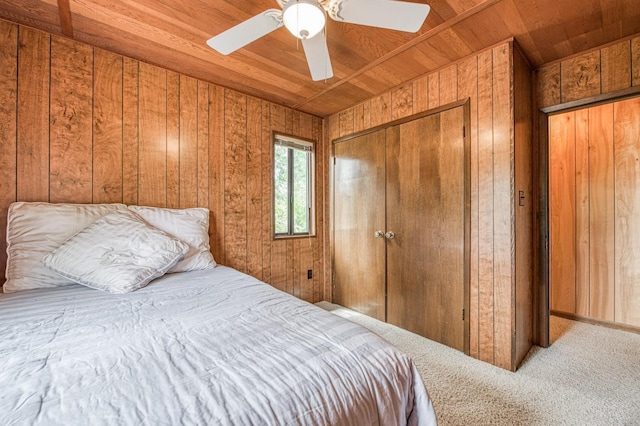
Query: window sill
x: 292, y: 237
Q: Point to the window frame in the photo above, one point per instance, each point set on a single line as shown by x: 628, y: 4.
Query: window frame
x: 302, y: 144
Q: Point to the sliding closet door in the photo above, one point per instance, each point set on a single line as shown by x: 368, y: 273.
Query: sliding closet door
x: 426, y: 213
x: 359, y: 200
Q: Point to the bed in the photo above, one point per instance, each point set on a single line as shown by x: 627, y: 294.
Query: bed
x: 208, y: 346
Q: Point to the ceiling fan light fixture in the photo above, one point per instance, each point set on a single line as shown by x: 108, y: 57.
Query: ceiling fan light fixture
x: 303, y: 18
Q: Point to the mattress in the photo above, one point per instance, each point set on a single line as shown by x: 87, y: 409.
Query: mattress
x: 207, y: 347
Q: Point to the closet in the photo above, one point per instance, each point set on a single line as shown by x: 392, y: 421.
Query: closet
x: 594, y: 182
x: 401, y: 224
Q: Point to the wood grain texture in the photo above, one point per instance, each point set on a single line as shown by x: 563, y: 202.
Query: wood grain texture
x: 468, y: 89
x: 66, y: 23
x: 580, y: 77
x: 267, y: 194
x: 279, y: 259
x: 254, y: 186
x: 107, y: 127
x: 359, y: 257
x: 479, y: 87
x: 321, y: 174
x: 133, y: 112
x: 307, y: 246
x: 203, y: 144
x: 216, y: 173
x: 70, y: 128
x: 380, y: 109
x: 131, y: 131
x: 433, y: 90
x: 292, y: 125
x: 8, y: 116
x: 152, y: 142
x: 358, y: 118
x: 635, y: 61
x: 235, y: 196
x: 606, y: 181
x: 173, y: 140
x: 616, y: 66
x: 562, y: 139
x: 548, y: 87
x: 449, y: 85
x: 188, y: 142
x: 420, y: 94
x: 582, y: 297
x: 503, y: 204
x: 32, y: 175
x: 524, y: 220
x: 367, y: 60
x: 486, y: 343
x: 346, y: 122
x: 627, y: 211
x: 402, y: 102
x: 601, y: 212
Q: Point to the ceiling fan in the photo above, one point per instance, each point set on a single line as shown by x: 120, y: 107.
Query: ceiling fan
x: 306, y: 19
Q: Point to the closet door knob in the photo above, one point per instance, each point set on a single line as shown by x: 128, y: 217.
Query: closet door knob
x: 378, y: 234
x: 389, y: 235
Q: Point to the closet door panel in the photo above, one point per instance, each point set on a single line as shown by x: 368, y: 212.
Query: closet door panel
x: 359, y: 200
x: 627, y: 211
x: 425, y: 211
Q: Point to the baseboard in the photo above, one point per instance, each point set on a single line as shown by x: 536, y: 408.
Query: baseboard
x: 609, y: 324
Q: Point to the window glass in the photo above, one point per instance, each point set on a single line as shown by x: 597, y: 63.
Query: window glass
x: 281, y: 203
x: 293, y: 186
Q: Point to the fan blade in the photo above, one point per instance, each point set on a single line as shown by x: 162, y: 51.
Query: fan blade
x: 393, y: 15
x: 317, y: 53
x: 246, y: 32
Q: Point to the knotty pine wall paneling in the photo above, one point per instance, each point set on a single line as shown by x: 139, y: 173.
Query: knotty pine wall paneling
x: 500, y: 284
x: 81, y: 124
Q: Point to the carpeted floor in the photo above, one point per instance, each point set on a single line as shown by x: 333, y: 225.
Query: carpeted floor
x: 590, y: 375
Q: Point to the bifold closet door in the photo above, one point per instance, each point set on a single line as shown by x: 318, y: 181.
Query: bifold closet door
x: 359, y: 200
x: 426, y: 212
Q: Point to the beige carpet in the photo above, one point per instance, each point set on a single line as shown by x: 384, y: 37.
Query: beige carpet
x: 590, y: 375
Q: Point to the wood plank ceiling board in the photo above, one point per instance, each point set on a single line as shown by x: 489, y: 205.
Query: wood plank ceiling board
x: 65, y: 18
x: 367, y: 61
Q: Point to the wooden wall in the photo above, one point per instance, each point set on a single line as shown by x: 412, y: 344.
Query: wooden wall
x: 595, y: 211
x: 80, y: 124
x: 604, y: 70
x: 487, y: 79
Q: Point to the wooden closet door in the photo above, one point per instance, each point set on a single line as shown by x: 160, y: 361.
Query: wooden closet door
x: 359, y: 200
x: 426, y: 212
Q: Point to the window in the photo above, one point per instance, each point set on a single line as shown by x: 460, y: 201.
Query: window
x: 293, y: 186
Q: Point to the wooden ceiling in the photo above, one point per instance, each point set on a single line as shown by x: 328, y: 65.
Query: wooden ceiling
x: 366, y: 61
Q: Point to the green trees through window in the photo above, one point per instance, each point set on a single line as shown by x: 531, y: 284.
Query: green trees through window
x: 293, y: 188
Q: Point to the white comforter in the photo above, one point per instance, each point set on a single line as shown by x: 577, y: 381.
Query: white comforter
x: 207, y: 347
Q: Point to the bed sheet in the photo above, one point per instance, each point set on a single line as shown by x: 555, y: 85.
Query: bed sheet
x: 206, y: 347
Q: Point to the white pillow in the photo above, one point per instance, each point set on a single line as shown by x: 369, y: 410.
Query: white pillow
x: 36, y: 228
x: 190, y: 226
x: 118, y: 253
